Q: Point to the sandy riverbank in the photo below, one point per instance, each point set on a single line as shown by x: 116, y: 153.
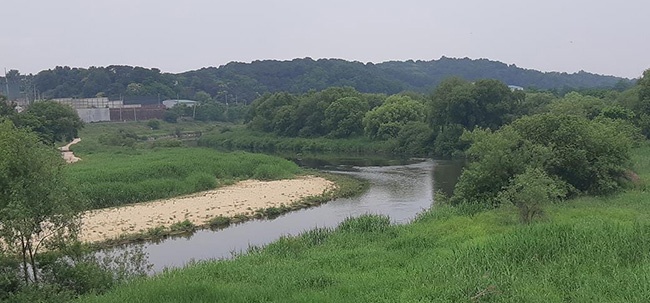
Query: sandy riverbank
x: 243, y: 197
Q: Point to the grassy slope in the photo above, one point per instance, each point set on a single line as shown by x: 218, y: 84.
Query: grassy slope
x: 586, y: 250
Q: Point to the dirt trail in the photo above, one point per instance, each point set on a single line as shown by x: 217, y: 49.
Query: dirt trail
x: 68, y: 156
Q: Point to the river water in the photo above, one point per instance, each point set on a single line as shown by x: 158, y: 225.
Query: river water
x: 398, y: 191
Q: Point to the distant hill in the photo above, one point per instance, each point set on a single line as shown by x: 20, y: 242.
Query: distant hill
x: 243, y: 82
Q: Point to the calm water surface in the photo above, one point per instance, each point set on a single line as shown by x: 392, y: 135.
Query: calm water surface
x: 399, y: 191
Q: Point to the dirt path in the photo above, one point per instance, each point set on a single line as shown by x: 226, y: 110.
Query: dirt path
x: 68, y: 156
x: 242, y: 198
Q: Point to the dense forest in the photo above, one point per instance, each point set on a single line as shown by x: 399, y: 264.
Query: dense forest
x: 244, y: 82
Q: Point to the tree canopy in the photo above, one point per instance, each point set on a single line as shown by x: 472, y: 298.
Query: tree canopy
x: 52, y: 121
x: 38, y: 208
x: 586, y: 156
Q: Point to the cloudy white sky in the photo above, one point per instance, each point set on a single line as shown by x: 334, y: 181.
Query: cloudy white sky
x: 602, y: 36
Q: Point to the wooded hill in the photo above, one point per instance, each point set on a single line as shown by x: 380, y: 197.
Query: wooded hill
x: 244, y: 82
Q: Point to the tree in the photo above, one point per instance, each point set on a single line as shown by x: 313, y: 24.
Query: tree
x: 574, y: 103
x: 38, y: 208
x: 644, y: 84
x: 484, y: 103
x: 387, y: 120
x: 52, y: 121
x: 343, y: 117
x: 7, y: 110
x: 586, y: 156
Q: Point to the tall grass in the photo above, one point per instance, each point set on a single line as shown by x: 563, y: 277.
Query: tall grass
x: 142, y: 175
x: 593, y: 249
x: 449, y: 258
x: 244, y: 139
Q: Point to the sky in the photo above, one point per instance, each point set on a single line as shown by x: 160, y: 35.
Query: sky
x: 604, y: 36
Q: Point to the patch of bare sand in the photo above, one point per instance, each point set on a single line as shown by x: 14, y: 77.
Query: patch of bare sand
x: 240, y: 198
x: 67, y: 155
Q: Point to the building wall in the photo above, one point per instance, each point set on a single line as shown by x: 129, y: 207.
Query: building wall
x: 136, y: 114
x: 94, y: 114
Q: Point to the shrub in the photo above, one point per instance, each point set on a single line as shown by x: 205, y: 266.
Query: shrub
x: 530, y: 191
x: 219, y: 221
x: 154, y: 123
x: 170, y: 116
x: 183, y: 226
x: 588, y: 157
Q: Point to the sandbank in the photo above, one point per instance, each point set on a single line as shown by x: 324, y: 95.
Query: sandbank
x: 241, y: 198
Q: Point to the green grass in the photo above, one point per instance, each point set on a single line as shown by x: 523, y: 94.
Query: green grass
x: 241, y: 138
x: 592, y: 249
x: 92, y: 133
x: 111, y: 179
x: 150, y: 164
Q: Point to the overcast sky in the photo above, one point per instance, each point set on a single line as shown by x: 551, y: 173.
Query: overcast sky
x: 601, y: 36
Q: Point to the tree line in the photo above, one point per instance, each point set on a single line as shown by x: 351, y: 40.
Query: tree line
x: 244, y: 82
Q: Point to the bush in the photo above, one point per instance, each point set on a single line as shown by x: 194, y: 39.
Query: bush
x: 183, y: 226
x: 120, y: 138
x: 219, y: 221
x: 154, y: 123
x: 588, y: 157
x: 530, y: 191
x: 170, y: 116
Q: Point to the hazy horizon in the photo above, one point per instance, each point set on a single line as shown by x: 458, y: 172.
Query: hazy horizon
x: 605, y: 37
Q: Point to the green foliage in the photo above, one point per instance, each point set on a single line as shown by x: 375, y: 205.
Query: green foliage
x: 244, y: 81
x: 496, y: 158
x: 365, y: 224
x: 336, y: 111
x: 154, y: 124
x: 243, y: 139
x: 121, y: 137
x: 415, y: 138
x: 588, y: 250
x: 485, y: 103
x: 591, y: 156
x: 117, y: 179
x: 448, y: 141
x: 39, y: 209
x: 52, y: 121
x: 530, y: 191
x: 219, y: 221
x: 644, y: 87
x: 170, y: 116
x: 182, y: 226
x: 387, y: 120
x: 574, y: 103
x: 586, y: 156
x: 343, y: 117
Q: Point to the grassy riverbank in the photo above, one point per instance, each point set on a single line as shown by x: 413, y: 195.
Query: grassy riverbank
x: 584, y: 250
x: 240, y: 138
x: 142, y: 175
x: 124, y: 163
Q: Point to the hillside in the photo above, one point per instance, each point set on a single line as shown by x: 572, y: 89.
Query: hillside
x: 243, y: 82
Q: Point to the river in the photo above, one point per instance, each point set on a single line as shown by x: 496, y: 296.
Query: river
x: 398, y: 191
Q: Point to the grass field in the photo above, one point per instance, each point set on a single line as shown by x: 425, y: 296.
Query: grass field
x: 584, y: 250
x: 111, y: 175
x: 140, y: 175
